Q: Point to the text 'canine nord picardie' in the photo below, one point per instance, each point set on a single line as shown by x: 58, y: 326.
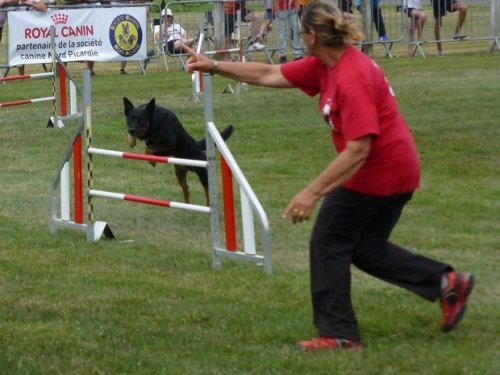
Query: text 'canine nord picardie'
x: 164, y: 135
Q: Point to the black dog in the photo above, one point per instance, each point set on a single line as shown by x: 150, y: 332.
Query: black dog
x: 164, y: 135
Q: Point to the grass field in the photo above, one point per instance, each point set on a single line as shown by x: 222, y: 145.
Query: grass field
x: 156, y: 306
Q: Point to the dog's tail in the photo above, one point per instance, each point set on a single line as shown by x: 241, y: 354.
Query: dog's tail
x: 225, y: 134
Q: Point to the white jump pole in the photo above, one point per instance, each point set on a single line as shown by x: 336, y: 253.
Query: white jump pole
x: 150, y: 158
x: 196, y: 77
x: 248, y: 225
x: 146, y: 200
x: 65, y: 202
x: 72, y: 98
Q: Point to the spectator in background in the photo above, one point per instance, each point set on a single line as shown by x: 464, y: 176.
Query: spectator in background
x: 3, y: 18
x: 32, y: 5
x: 267, y: 24
x: 3, y: 15
x: 173, y: 34
x: 90, y: 64
x: 414, y: 10
x: 346, y: 8
x: 230, y: 13
x: 257, y: 32
x: 439, y: 9
x: 123, y: 64
x: 302, y: 4
x: 288, y: 20
x: 378, y: 19
x: 268, y: 19
x: 230, y: 18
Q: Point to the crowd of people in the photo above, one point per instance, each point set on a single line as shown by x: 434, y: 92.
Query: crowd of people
x: 286, y: 14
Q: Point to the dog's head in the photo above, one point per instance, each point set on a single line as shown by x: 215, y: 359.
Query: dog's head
x: 138, y: 119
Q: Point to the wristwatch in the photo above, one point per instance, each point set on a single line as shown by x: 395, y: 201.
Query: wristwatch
x: 215, y: 67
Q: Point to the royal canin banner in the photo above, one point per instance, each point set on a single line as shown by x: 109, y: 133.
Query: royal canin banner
x: 95, y: 34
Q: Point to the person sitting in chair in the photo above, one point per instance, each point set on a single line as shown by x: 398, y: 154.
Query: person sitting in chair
x: 173, y: 34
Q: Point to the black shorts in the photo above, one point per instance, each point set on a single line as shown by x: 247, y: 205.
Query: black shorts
x: 408, y: 11
x: 440, y: 7
x: 170, y: 47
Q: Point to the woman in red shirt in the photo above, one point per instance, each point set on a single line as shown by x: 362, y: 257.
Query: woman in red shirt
x: 364, y: 188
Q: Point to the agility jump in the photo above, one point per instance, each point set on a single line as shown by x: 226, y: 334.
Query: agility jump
x: 60, y: 73
x: 230, y: 171
x: 34, y: 100
x: 151, y: 159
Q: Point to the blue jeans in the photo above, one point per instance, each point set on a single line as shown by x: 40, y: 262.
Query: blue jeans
x: 291, y: 16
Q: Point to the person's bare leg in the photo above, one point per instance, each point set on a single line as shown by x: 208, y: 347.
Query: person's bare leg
x: 123, y: 64
x: 462, y: 14
x: 90, y: 66
x: 420, y: 22
x: 411, y: 35
x: 255, y: 20
x: 437, y: 34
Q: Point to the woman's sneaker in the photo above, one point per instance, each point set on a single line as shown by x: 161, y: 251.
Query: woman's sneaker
x: 454, y: 298
x: 322, y: 343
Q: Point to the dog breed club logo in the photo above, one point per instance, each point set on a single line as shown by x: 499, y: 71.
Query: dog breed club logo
x: 125, y: 35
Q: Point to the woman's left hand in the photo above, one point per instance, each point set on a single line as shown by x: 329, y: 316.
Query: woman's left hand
x: 197, y: 62
x: 301, y: 206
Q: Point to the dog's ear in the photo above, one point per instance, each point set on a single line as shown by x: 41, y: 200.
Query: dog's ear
x: 150, y: 108
x: 127, y: 105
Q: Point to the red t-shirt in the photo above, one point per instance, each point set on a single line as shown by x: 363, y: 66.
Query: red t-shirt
x: 356, y: 100
x: 231, y: 7
x: 286, y: 4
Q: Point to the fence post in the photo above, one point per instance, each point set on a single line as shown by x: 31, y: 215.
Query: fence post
x: 366, y: 10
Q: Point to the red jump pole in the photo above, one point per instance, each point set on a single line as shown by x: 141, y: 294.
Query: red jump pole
x: 62, y: 90
x: 26, y: 101
x: 229, y: 218
x: 16, y: 102
x: 77, y: 179
x: 26, y: 76
x: 15, y: 78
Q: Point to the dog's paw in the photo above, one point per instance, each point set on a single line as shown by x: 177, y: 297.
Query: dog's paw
x: 152, y: 163
x: 131, y: 141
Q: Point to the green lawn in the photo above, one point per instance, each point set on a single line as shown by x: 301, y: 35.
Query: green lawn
x: 156, y: 306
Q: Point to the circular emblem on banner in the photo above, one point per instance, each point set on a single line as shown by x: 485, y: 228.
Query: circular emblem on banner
x: 125, y: 35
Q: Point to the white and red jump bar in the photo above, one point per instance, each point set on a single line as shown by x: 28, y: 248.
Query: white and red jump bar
x: 150, y: 158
